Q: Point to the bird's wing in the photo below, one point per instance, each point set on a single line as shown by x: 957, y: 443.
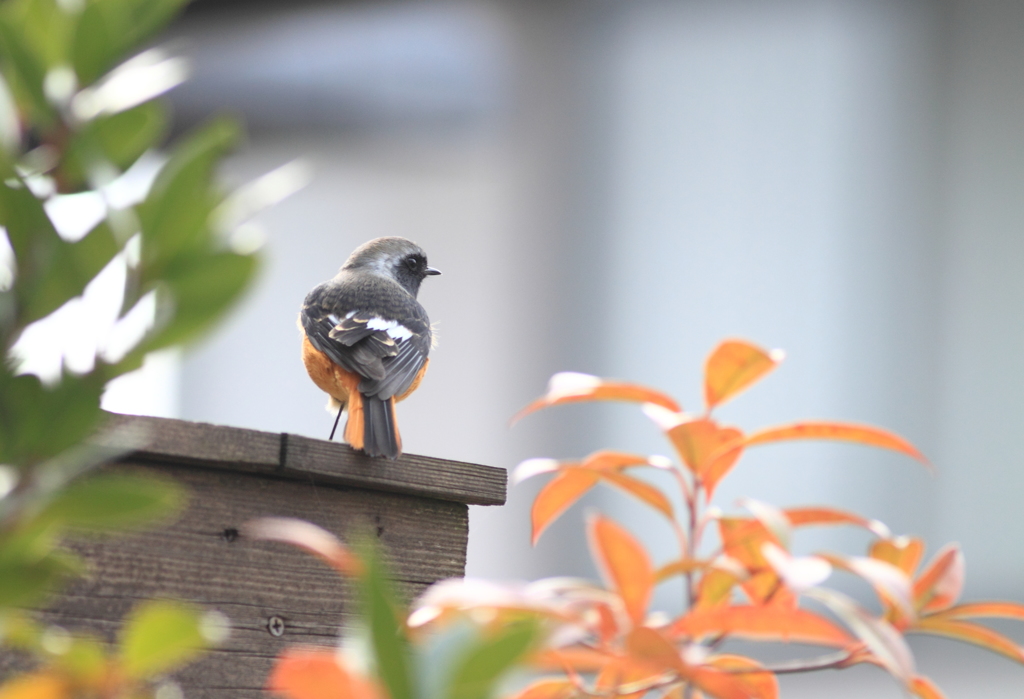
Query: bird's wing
x: 386, y: 353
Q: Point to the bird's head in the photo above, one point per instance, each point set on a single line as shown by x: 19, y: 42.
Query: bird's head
x: 397, y: 258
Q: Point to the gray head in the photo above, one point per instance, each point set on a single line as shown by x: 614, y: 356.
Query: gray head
x: 394, y: 257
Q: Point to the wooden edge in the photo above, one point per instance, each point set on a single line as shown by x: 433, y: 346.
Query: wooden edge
x: 295, y: 456
x: 194, y: 442
x: 472, y: 484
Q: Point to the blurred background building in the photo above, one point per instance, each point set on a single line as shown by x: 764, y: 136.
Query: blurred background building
x: 613, y: 187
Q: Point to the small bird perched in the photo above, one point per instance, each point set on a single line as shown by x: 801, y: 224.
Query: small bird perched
x: 366, y: 339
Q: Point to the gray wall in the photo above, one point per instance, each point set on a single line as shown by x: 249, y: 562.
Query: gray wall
x: 614, y: 188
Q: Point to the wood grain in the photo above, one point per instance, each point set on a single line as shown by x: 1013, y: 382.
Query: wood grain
x: 201, y: 558
x: 413, y: 474
x: 296, y: 457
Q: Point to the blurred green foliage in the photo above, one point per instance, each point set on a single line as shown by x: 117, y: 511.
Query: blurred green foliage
x: 75, y: 116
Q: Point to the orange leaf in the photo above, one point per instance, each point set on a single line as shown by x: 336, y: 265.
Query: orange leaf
x: 805, y: 516
x: 598, y: 461
x: 624, y: 562
x: 884, y: 644
x: 903, y: 552
x: 839, y: 431
x: 970, y: 633
x: 696, y: 440
x: 570, y: 387
x: 653, y: 652
x: 761, y: 623
x: 723, y: 685
x: 942, y: 581
x: 41, y: 685
x: 742, y: 539
x: 991, y: 610
x: 557, y: 496
x: 719, y: 464
x: 680, y: 567
x: 925, y: 689
x: 308, y: 536
x: 550, y: 688
x: 309, y: 673
x: 762, y: 685
x: 733, y: 366
x: 891, y: 583
x: 638, y: 488
x: 715, y: 588
x: 613, y: 460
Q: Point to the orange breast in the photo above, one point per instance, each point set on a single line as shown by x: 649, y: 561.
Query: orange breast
x: 328, y: 376
x: 335, y: 381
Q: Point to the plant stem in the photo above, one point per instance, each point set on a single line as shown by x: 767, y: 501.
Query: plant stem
x: 832, y: 661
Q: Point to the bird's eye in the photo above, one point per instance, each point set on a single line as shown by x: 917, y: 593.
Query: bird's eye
x: 412, y: 263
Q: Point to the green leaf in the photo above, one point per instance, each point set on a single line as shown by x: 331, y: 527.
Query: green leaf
x: 109, y: 29
x: 200, y: 289
x: 486, y: 661
x: 85, y: 658
x: 118, y: 139
x: 26, y: 583
x: 94, y: 48
x: 45, y: 29
x: 114, y: 501
x: 160, y: 635
x: 387, y: 631
x: 25, y: 72
x: 50, y: 270
x: 38, y: 422
x: 175, y: 214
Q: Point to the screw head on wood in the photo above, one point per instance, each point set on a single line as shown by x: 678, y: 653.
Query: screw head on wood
x: 275, y: 625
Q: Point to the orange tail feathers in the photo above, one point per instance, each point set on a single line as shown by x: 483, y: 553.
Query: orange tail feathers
x: 354, y: 405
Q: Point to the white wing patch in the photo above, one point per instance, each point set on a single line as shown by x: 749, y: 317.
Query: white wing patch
x: 394, y: 329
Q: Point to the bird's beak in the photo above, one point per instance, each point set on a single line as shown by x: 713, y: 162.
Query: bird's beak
x: 432, y: 272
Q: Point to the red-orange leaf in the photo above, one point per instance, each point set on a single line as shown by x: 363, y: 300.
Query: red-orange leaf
x: 570, y: 387
x: 903, y: 552
x: 549, y: 688
x: 308, y: 536
x: 942, y: 581
x: 679, y: 567
x: 924, y: 688
x: 715, y: 589
x: 742, y: 539
x: 556, y: 497
x: 696, y: 440
x: 639, y: 489
x: 839, y: 431
x: 760, y: 685
x: 733, y: 366
x: 769, y: 623
x: 625, y: 564
x: 719, y: 464
x: 723, y: 685
x: 613, y: 460
x: 990, y: 610
x: 653, y: 652
x: 970, y: 633
x: 39, y: 685
x: 308, y: 673
x: 806, y: 516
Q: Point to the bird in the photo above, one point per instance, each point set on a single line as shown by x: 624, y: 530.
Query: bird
x: 366, y: 340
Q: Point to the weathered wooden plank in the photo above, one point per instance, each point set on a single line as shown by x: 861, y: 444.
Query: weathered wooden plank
x: 417, y: 475
x: 201, y: 558
x: 294, y: 456
x: 181, y: 441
